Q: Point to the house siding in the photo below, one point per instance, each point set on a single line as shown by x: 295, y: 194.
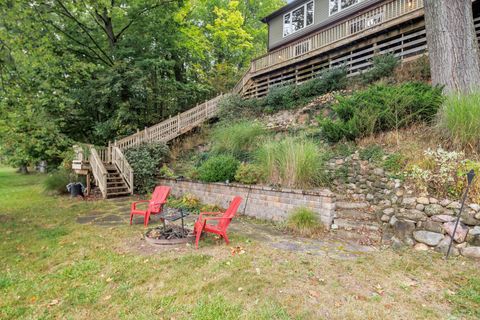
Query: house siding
x: 322, y: 18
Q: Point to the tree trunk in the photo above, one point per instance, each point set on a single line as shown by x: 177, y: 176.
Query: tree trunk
x: 23, y: 169
x: 452, y: 45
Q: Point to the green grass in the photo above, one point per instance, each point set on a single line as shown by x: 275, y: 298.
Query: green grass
x: 54, y: 268
x: 459, y: 120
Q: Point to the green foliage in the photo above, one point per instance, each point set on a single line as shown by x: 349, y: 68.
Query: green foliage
x: 237, y: 139
x: 292, y: 162
x: 56, y: 182
x: 371, y: 153
x: 248, y: 173
x: 284, y: 96
x: 459, y: 120
x: 187, y: 202
x: 394, y: 163
x: 146, y: 161
x: 383, y: 66
x: 218, y: 169
x: 166, y: 172
x: 381, y: 108
x: 304, y: 221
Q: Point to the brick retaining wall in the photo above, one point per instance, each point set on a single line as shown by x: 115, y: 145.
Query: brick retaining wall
x: 261, y: 202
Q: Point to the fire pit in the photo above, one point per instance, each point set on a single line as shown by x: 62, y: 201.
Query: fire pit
x: 170, y: 234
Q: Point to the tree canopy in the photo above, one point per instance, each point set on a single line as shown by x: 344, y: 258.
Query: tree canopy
x: 93, y: 70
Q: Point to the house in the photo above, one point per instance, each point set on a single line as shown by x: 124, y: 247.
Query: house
x: 307, y: 36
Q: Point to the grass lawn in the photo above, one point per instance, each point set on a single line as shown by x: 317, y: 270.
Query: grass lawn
x: 54, y: 268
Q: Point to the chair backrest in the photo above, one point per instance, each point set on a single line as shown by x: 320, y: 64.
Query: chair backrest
x: 159, y: 196
x: 229, y: 213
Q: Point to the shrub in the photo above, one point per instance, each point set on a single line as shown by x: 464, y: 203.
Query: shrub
x: 280, y: 97
x: 459, y: 120
x: 292, y: 162
x: 187, y: 202
x: 304, y: 221
x: 248, y: 174
x: 146, y: 161
x: 327, y: 81
x: 57, y: 181
x: 383, y: 66
x: 371, y: 153
x: 233, y: 106
x: 237, y: 139
x: 381, y: 108
x: 218, y: 169
x: 166, y: 172
x: 395, y: 164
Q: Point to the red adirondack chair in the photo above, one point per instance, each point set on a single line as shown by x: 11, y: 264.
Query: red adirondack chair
x: 223, y: 221
x: 155, y: 205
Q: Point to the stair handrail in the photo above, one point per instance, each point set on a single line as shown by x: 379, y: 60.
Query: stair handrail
x: 126, y: 171
x: 172, y: 127
x: 99, y: 171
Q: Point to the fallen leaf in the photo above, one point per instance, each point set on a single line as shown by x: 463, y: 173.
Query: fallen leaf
x: 54, y: 302
x: 108, y: 298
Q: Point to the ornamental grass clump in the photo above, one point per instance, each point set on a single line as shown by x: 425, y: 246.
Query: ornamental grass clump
x: 304, y: 221
x: 459, y: 120
x: 237, y: 139
x: 292, y: 162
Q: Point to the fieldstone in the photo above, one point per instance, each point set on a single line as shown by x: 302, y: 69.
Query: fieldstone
x: 469, y: 218
x: 421, y: 247
x: 430, y: 238
x: 385, y: 218
x: 378, y: 171
x: 442, y: 247
x: 443, y: 218
x: 433, y: 200
x: 471, y: 252
x: 370, y: 196
x: 423, y: 200
x: 399, y: 193
x: 409, y: 242
x: 409, y: 202
x: 403, y: 229
x: 385, y: 203
x: 473, y: 236
x: 397, y: 243
x: 460, y: 233
x: 474, y: 207
x: 420, y: 207
x: 412, y: 214
x: 454, y: 205
x: 389, y: 211
x: 445, y: 202
x: 433, y: 209
x: 433, y: 226
x: 393, y: 220
x: 477, y: 216
x: 334, y: 227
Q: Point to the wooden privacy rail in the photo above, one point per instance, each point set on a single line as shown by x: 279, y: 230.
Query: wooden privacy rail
x: 173, y: 127
x: 374, y: 17
x: 126, y: 171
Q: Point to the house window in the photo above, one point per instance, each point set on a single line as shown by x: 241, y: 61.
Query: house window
x: 298, y: 19
x: 339, y: 5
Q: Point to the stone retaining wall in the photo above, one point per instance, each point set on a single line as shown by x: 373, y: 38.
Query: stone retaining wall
x: 259, y: 202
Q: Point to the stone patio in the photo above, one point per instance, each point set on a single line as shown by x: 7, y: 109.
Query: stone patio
x: 118, y: 214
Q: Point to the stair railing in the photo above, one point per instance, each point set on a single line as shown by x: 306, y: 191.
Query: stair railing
x: 99, y: 171
x: 126, y: 171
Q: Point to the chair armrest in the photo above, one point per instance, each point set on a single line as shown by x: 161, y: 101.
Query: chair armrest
x: 134, y: 204
x: 200, y: 217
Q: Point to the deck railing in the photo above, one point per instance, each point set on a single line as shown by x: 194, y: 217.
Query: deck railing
x: 383, y: 13
x: 173, y: 127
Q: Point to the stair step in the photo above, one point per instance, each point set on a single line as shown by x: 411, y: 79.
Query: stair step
x: 117, y: 188
x: 117, y: 194
x: 352, y: 205
x: 356, y: 225
x: 355, y: 215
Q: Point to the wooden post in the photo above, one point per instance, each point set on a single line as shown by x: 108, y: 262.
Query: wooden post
x: 147, y: 138
x: 178, y: 123
x: 88, y: 183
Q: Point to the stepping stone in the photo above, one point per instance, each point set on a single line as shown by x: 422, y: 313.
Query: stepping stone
x: 110, y: 218
x: 86, y: 219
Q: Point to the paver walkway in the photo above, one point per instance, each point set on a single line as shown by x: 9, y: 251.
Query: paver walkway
x: 118, y: 213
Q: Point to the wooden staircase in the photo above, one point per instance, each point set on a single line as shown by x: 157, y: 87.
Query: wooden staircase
x: 116, y: 185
